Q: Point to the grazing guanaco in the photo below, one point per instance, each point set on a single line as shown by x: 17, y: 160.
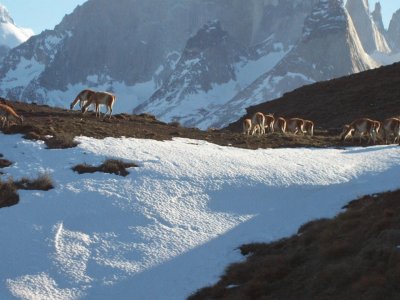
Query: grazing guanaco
x: 259, y: 119
x: 8, y: 114
x: 100, y: 98
x: 363, y: 126
x: 390, y: 127
x: 82, y: 98
x: 295, y: 125
x: 309, y: 127
x: 280, y: 125
x: 269, y: 123
x: 247, y: 126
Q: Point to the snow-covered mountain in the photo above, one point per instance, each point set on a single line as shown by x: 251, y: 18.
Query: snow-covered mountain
x: 329, y: 48
x: 136, y: 46
x: 197, y: 61
x: 10, y: 34
x: 378, y: 19
x: 282, y: 20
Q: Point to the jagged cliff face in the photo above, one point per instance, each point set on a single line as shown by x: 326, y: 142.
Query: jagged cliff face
x: 209, y: 59
x: 377, y: 18
x: 329, y: 48
x: 368, y: 31
x: 208, y: 78
x: 394, y: 31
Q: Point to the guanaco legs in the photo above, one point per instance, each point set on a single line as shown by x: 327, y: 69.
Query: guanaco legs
x: 8, y: 114
x: 100, y: 98
x: 247, y: 126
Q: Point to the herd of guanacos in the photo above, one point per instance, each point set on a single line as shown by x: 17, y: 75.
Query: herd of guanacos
x: 260, y: 123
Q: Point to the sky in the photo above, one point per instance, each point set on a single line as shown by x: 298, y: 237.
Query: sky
x: 45, y: 14
x: 39, y: 14
x: 388, y: 8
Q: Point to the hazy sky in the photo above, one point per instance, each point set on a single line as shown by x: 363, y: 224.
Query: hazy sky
x: 40, y: 14
x: 45, y: 14
x: 388, y: 8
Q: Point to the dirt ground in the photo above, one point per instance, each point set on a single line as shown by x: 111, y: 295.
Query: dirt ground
x: 41, y: 121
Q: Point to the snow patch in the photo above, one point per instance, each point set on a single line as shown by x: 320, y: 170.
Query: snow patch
x: 187, y: 207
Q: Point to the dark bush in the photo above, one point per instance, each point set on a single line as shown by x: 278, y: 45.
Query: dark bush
x: 111, y: 166
x: 43, y: 183
x: 8, y: 194
x: 61, y: 141
x: 5, y: 163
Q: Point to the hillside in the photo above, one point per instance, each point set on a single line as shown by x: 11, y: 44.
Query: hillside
x: 41, y: 121
x: 353, y: 256
x: 330, y: 104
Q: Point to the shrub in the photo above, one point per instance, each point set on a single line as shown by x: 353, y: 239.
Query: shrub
x: 111, y: 166
x: 61, y: 141
x: 8, y: 189
x: 5, y: 163
x: 42, y: 183
x: 8, y: 194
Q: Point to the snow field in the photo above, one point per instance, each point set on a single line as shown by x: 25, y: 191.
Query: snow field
x: 174, y: 223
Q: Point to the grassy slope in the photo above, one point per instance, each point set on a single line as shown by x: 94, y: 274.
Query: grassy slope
x: 353, y: 256
x: 330, y: 104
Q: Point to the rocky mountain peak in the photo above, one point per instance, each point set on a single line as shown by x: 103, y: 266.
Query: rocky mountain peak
x: 368, y: 31
x: 394, y: 31
x: 328, y: 16
x: 209, y: 36
x: 377, y: 17
x: 5, y: 15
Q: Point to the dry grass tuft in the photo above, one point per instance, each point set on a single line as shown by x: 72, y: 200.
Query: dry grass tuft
x: 8, y: 189
x: 5, y: 163
x: 61, y: 141
x: 43, y: 183
x: 111, y: 166
x: 8, y: 194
